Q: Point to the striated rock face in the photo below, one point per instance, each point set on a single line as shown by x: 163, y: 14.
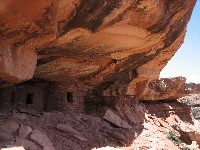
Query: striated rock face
x: 170, y: 88
x: 164, y: 88
x: 17, y: 64
x: 115, y: 47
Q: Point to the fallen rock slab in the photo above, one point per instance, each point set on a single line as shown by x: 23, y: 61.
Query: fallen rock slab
x: 24, y: 131
x: 79, y: 137
x: 67, y: 128
x: 40, y: 138
x: 116, y: 120
x: 10, y: 126
x: 131, y: 117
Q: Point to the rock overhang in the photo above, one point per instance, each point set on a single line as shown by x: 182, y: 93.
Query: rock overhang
x: 113, y: 47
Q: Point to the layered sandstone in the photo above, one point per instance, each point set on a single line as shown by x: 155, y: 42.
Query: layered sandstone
x: 170, y: 88
x: 114, y: 47
x: 164, y: 88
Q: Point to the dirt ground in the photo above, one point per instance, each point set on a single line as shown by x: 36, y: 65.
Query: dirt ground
x: 75, y: 131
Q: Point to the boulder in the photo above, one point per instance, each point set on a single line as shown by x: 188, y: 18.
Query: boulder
x: 10, y: 126
x: 17, y: 64
x: 24, y: 131
x: 67, y: 128
x: 40, y: 138
x: 115, y: 135
x: 72, y: 131
x: 116, y: 120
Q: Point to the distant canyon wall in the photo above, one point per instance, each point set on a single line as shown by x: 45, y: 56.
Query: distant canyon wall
x: 170, y: 89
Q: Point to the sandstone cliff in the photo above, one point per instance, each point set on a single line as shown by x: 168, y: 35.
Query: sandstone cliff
x: 170, y: 88
x: 114, y: 47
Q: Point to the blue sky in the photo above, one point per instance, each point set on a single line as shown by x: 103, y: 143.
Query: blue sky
x: 186, y: 61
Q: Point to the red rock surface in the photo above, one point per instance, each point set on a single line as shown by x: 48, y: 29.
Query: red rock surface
x: 114, y: 47
x: 16, y: 64
x: 164, y: 88
x: 152, y: 120
x: 170, y: 88
x: 94, y: 51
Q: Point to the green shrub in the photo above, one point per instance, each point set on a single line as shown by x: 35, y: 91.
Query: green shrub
x: 171, y: 135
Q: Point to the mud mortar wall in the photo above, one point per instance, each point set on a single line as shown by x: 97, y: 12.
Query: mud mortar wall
x: 59, y: 95
x: 31, y: 96
x: 50, y: 96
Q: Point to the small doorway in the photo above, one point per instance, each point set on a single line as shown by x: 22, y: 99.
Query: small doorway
x: 70, y: 97
x: 29, y: 98
x: 12, y: 97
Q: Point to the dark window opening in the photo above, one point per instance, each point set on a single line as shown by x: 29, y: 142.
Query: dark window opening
x: 12, y: 97
x: 69, y: 97
x: 29, y: 98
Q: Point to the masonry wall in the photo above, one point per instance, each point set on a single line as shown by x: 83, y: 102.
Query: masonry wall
x: 5, y: 97
x: 38, y: 93
x: 63, y: 97
x: 47, y: 96
x: 29, y: 96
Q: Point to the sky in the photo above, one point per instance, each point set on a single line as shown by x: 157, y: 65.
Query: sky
x: 186, y: 62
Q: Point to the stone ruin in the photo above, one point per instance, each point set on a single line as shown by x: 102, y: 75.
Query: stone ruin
x: 48, y: 96
x: 60, y: 96
x: 100, y: 48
